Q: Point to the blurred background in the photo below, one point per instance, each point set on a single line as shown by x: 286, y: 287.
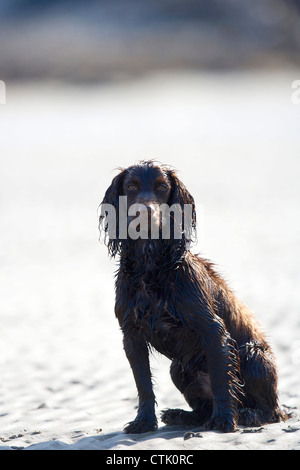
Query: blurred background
x: 100, y: 40
x: 95, y: 85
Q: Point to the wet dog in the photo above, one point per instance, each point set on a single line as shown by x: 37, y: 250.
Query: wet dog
x: 175, y: 302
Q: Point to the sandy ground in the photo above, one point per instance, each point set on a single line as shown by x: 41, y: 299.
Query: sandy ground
x: 65, y: 382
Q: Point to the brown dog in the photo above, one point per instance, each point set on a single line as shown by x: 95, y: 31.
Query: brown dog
x: 174, y: 301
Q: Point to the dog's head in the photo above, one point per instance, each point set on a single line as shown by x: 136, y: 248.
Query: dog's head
x: 145, y: 201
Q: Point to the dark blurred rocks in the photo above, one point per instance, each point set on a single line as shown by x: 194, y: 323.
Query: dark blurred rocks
x: 102, y: 40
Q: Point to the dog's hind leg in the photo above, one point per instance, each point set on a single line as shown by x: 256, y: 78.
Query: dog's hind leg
x: 259, y: 373
x: 195, y: 386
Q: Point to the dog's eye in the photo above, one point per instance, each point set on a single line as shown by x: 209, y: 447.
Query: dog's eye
x: 131, y: 187
x: 162, y: 186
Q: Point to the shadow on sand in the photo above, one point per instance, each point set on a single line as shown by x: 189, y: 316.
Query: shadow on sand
x: 111, y: 440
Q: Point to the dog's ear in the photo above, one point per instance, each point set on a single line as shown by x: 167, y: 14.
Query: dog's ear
x: 180, y: 195
x: 109, y: 214
x: 115, y: 189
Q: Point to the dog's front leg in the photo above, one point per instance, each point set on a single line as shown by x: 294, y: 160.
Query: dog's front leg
x: 138, y: 356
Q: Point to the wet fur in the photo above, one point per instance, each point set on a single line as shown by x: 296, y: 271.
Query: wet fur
x: 174, y: 301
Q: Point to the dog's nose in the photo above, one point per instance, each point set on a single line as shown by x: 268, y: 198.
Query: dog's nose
x: 144, y: 208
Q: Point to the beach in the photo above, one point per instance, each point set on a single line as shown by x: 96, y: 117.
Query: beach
x: 234, y: 140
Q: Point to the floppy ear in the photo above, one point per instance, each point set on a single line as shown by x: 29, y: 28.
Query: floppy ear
x: 180, y: 195
x: 109, y: 214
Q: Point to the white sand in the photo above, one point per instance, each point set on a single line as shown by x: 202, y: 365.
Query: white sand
x: 65, y: 381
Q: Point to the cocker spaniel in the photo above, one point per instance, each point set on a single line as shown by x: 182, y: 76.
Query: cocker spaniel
x: 175, y: 302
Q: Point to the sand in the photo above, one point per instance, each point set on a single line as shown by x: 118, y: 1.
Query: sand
x: 65, y: 381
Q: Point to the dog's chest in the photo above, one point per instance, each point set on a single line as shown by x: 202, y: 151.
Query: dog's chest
x: 150, y: 305
x: 154, y: 314
x: 161, y: 325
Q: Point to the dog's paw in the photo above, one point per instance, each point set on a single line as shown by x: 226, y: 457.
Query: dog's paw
x: 220, y: 423
x: 172, y: 416
x: 177, y: 416
x: 139, y: 426
x: 251, y: 417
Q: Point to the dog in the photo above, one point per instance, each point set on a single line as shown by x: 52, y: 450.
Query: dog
x: 174, y: 301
